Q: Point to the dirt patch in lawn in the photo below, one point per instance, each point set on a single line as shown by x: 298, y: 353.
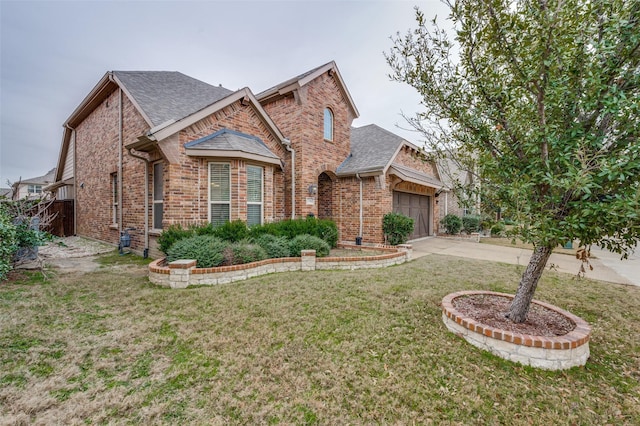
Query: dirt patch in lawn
x: 69, y: 254
x: 491, y: 309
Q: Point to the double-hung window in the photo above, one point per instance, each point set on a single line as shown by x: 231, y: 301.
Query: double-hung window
x: 254, y: 195
x: 35, y: 189
x: 219, y: 193
x: 158, y: 200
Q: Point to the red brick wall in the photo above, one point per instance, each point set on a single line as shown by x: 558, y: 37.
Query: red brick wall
x: 97, y: 152
x: 302, y: 121
x: 186, y: 183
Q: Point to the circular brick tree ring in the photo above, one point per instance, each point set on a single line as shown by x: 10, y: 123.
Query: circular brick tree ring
x: 549, y: 353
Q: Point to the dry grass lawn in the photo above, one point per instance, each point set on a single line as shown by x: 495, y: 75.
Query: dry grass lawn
x: 347, y: 347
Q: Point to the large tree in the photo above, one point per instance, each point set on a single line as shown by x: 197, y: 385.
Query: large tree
x: 542, y: 99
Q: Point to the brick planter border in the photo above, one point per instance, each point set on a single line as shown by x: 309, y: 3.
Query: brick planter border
x: 185, y: 273
x: 549, y: 353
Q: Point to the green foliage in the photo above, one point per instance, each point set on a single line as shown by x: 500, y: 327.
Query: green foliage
x: 274, y: 246
x: 471, y: 223
x: 452, y: 224
x: 208, y: 250
x: 308, y: 242
x: 9, y: 245
x: 27, y: 237
x: 327, y: 230
x: 498, y: 230
x: 171, y: 235
x: 242, y: 252
x: 231, y: 231
x: 397, y: 228
x: 541, y: 100
x: 290, y: 228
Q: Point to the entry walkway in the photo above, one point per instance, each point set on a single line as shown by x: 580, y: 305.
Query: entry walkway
x: 606, y: 267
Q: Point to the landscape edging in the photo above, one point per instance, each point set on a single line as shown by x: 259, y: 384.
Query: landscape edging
x: 545, y: 352
x: 185, y: 273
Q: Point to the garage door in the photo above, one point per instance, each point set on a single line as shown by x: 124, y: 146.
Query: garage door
x: 417, y: 207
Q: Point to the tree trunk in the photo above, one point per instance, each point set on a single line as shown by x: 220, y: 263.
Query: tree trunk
x: 528, y: 283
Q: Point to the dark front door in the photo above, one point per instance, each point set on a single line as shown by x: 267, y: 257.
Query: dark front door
x: 417, y: 207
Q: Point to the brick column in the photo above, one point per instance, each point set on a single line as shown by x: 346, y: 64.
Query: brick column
x: 180, y: 272
x: 308, y: 260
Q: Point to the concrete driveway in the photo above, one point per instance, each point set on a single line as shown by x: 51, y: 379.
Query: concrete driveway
x: 606, y: 266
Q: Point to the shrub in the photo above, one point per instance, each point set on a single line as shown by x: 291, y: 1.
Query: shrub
x: 208, y: 250
x: 242, y: 252
x: 171, y: 235
x: 232, y: 231
x: 274, y: 246
x: 308, y: 242
x: 328, y: 231
x: 9, y: 243
x: 471, y: 223
x: 397, y: 228
x: 452, y: 224
x: 498, y: 230
x: 290, y: 228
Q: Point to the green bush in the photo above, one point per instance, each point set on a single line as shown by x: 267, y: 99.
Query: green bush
x: 231, y: 231
x: 242, y: 252
x: 9, y: 245
x: 498, y: 230
x: 274, y: 246
x: 397, y: 228
x: 328, y: 231
x: 208, y: 250
x: 471, y: 223
x: 171, y: 235
x: 290, y: 228
x: 308, y: 242
x: 452, y: 224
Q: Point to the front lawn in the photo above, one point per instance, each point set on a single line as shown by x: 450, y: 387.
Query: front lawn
x: 323, y: 347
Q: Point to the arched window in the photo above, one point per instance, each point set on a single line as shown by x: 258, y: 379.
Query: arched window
x: 328, y: 124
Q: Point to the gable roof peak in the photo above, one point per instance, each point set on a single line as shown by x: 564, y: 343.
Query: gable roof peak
x: 162, y: 96
x: 303, y: 79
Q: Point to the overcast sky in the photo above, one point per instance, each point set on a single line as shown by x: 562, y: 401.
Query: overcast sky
x: 54, y: 52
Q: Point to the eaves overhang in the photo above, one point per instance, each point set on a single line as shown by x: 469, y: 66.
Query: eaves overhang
x: 226, y: 154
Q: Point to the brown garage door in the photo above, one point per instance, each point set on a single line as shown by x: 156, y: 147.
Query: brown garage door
x: 417, y: 207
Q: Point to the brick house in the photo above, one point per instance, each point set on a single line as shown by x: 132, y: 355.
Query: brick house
x: 146, y: 150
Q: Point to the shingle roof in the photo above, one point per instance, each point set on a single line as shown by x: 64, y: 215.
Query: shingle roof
x: 48, y: 178
x: 372, y: 149
x: 169, y: 95
x: 229, y: 140
x: 407, y: 173
x: 289, y: 82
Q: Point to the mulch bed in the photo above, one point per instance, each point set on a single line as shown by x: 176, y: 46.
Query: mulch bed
x: 491, y: 309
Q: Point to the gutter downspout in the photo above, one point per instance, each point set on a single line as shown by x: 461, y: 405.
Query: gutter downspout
x: 360, y: 229
x: 120, y: 148
x: 120, y: 154
x: 146, y: 200
x: 287, y: 144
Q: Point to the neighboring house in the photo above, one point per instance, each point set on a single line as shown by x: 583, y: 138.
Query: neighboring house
x: 453, y: 200
x: 147, y: 150
x: 5, y: 193
x: 32, y: 187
